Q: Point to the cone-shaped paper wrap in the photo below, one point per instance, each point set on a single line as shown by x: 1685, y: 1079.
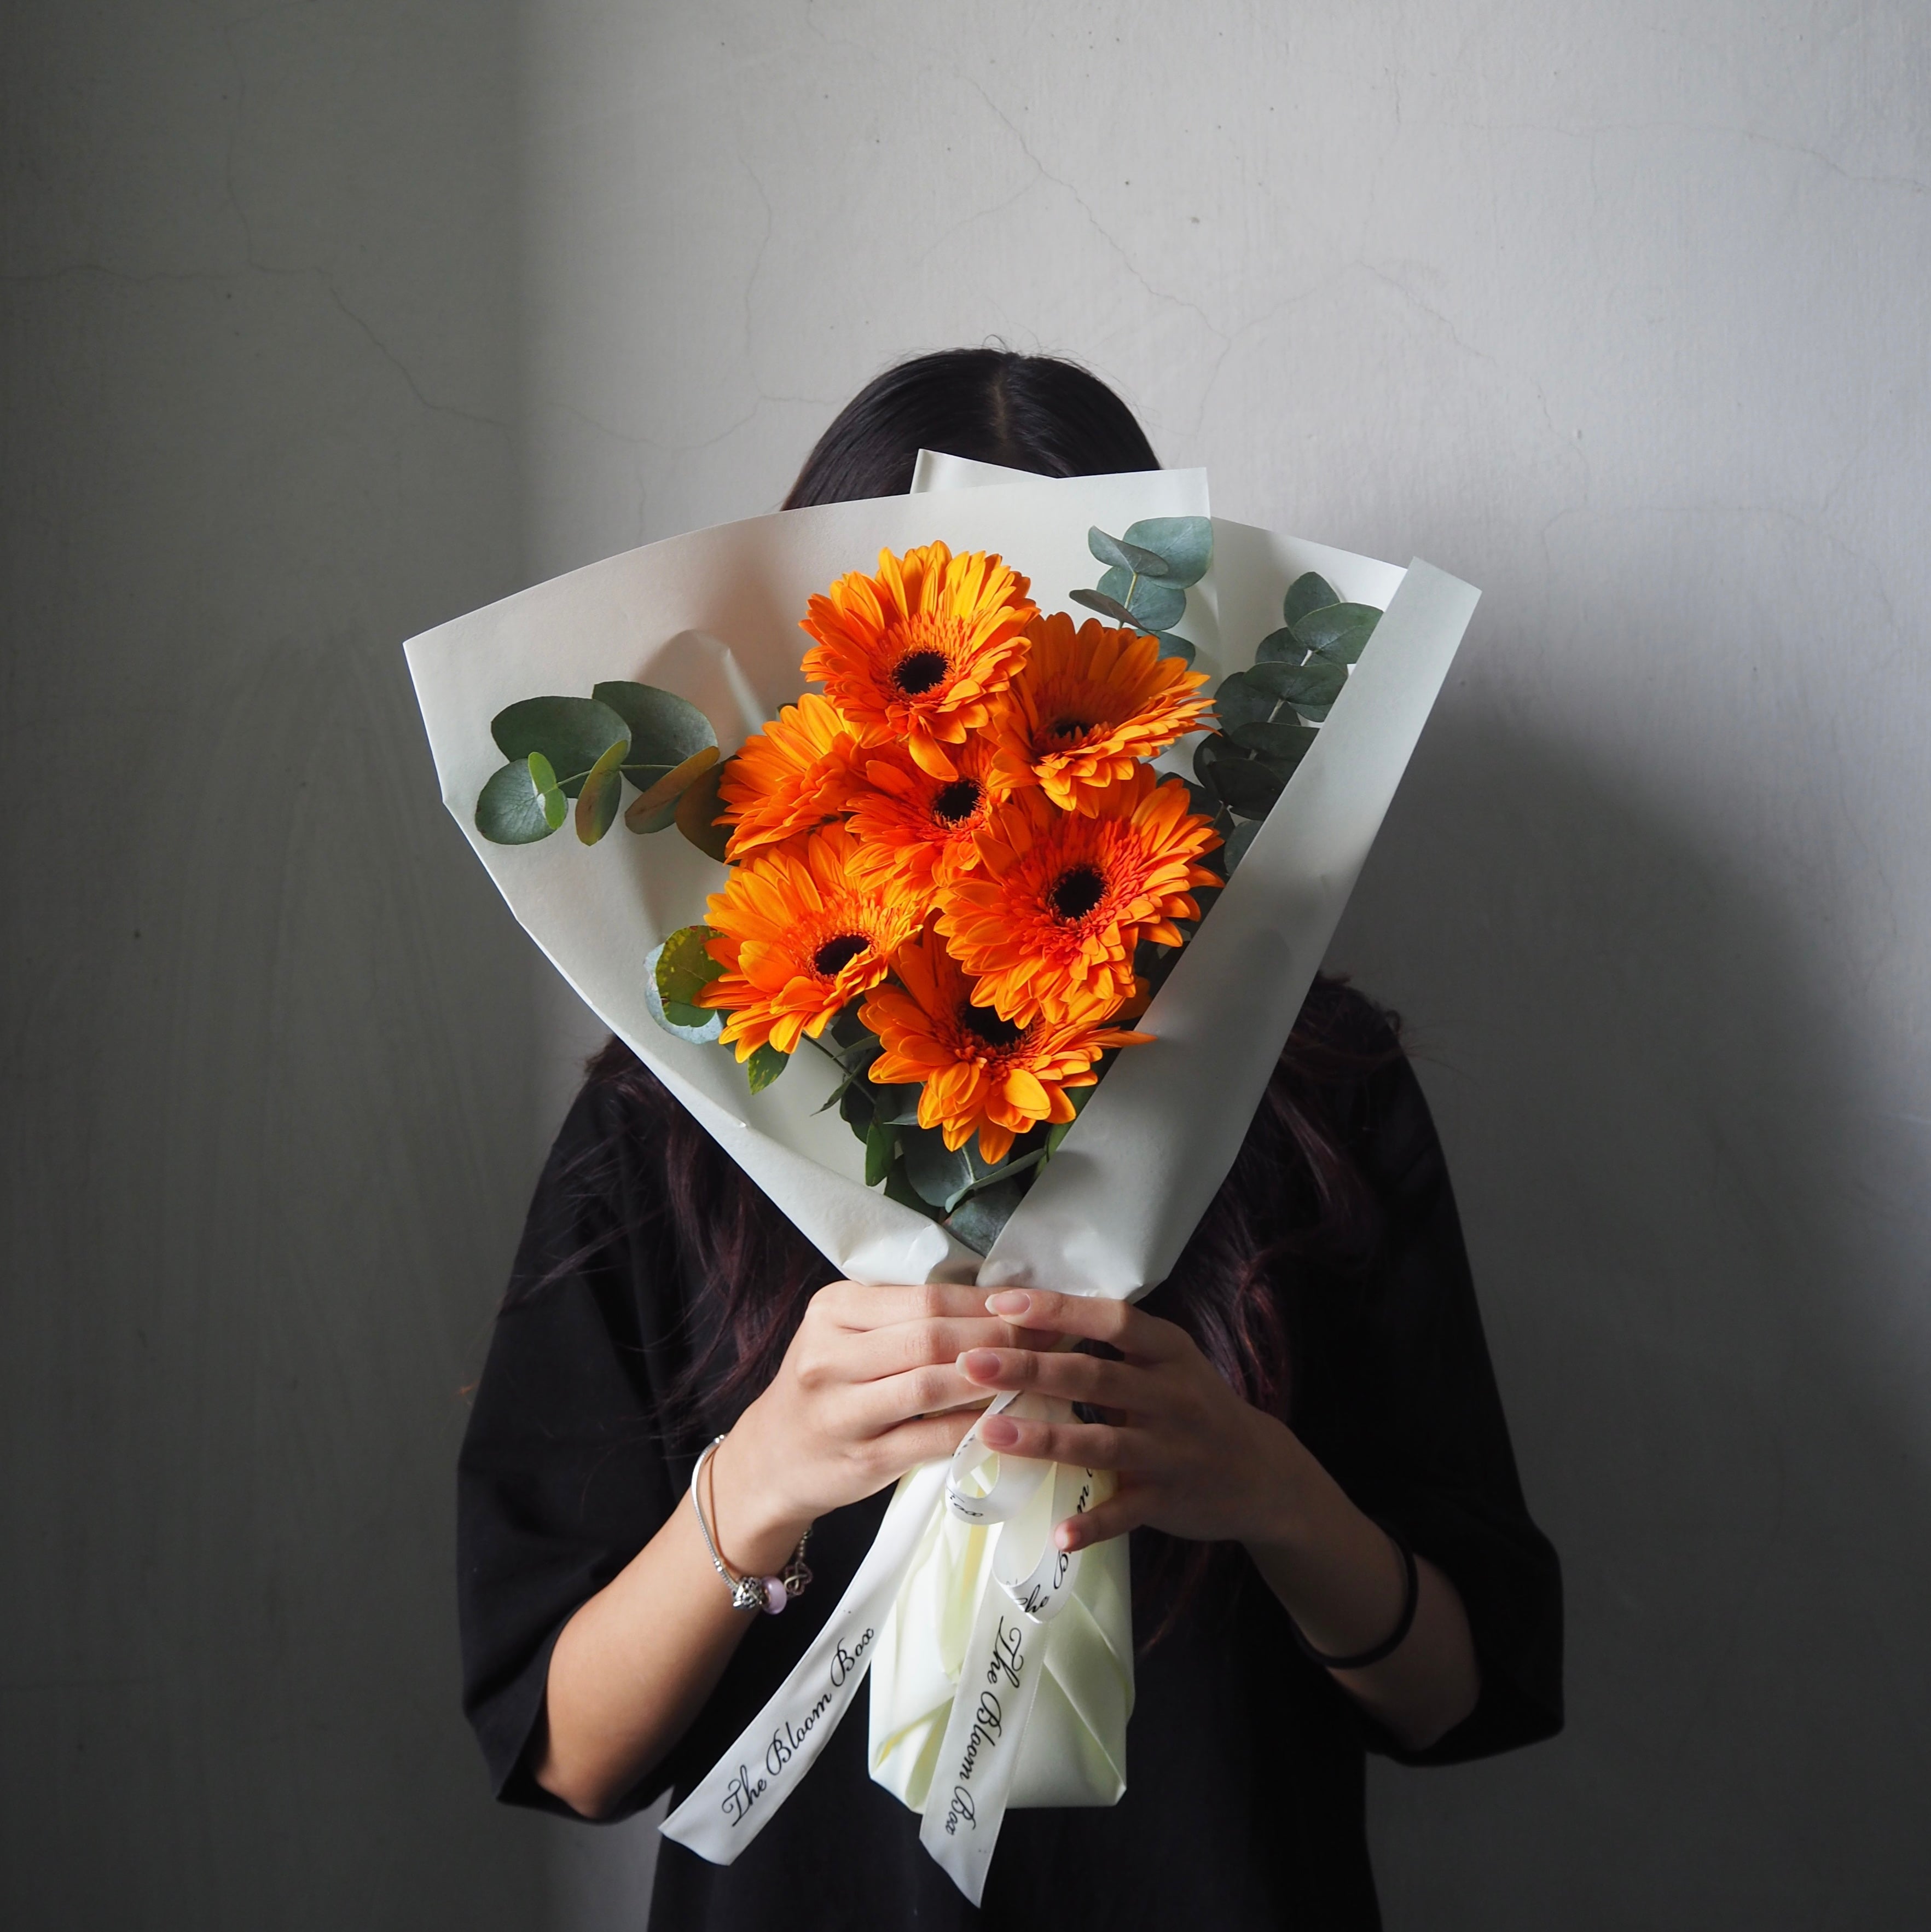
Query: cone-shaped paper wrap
x: 1001, y: 1672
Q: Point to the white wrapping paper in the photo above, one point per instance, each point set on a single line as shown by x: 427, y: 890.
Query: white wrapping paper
x: 1001, y: 1673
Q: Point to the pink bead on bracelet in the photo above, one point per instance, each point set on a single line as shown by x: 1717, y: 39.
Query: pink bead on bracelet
x: 767, y: 1594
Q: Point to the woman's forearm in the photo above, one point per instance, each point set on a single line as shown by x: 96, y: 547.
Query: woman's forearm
x: 1342, y: 1581
x: 634, y: 1667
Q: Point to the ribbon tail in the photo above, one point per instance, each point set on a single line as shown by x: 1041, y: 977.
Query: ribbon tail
x: 743, y: 1790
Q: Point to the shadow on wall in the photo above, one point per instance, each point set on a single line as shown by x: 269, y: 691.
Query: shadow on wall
x: 1685, y: 1216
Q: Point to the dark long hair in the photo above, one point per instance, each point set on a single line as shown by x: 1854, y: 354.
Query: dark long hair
x: 1295, y: 1201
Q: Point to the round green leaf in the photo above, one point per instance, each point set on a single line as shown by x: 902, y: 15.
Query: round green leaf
x: 1184, y: 545
x: 1107, y: 607
x: 1171, y: 646
x: 1126, y: 556
x: 510, y: 808
x: 1307, y: 592
x: 665, y: 730
x: 655, y: 806
x: 1206, y: 754
x: 1153, y: 606
x: 695, y: 1024
x: 697, y: 809
x: 1340, y: 632
x: 1280, y: 647
x: 1238, y: 841
x: 597, y: 803
x: 1249, y: 789
x: 683, y: 967
x: 764, y: 1066
x: 881, y: 1145
x: 1278, y: 740
x: 1318, y: 682
x: 571, y: 733
x: 1242, y: 699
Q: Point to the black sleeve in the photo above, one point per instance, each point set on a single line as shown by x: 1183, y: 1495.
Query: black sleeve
x: 562, y: 1477
x: 1429, y: 1449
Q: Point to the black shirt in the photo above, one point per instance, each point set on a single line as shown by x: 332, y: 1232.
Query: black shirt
x: 1244, y: 1801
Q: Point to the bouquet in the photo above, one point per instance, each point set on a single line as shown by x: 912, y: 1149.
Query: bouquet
x: 1016, y: 912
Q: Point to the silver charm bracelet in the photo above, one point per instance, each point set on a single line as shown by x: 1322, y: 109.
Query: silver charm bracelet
x: 767, y: 1594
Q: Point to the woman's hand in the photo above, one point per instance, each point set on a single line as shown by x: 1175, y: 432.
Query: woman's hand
x: 1192, y: 1458
x: 870, y: 1387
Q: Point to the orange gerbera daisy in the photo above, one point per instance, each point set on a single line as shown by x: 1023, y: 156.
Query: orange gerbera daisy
x: 1089, y: 705
x: 916, y: 652
x: 980, y: 1073
x: 924, y: 829
x: 1061, y: 898
x: 799, y: 937
x: 790, y: 776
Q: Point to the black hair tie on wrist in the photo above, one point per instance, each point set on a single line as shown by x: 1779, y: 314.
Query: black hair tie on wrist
x: 1396, y: 1637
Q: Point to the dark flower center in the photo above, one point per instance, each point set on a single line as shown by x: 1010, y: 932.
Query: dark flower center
x: 957, y: 802
x: 1076, y: 892
x: 983, y: 1024
x: 918, y: 671
x: 835, y: 954
x: 1069, y: 728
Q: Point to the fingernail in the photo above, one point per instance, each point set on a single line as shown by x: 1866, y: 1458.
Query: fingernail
x: 982, y: 1364
x: 1009, y: 1301
x: 1067, y: 1535
x: 996, y: 1432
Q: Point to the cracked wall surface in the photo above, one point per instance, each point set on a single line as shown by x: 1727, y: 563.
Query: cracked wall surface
x: 269, y: 1041
x: 1617, y: 311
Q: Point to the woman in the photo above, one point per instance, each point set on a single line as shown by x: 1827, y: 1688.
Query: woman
x: 1329, y: 1546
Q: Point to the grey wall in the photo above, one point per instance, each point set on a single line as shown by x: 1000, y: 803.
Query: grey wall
x: 268, y: 1041
x: 1616, y: 310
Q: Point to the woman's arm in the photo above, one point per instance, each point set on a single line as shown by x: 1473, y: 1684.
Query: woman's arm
x: 861, y: 1396
x: 1196, y: 1461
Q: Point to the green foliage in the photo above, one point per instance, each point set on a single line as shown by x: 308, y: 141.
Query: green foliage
x: 764, y: 1066
x: 697, y: 808
x: 1147, y: 573
x: 1238, y: 840
x: 521, y: 803
x: 674, y: 973
x: 656, y: 807
x: 1309, y: 592
x: 665, y: 730
x: 881, y: 1147
x: 1339, y: 633
x: 977, y: 1219
x: 597, y: 803
x: 572, y: 732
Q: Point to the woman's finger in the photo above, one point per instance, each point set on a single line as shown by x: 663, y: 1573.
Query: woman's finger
x: 1091, y: 1379
x: 1090, y: 1445
x: 927, y: 1440
x: 856, y: 1304
x: 1093, y: 1317
x: 936, y: 1389
x: 866, y: 1354
x: 1121, y: 1511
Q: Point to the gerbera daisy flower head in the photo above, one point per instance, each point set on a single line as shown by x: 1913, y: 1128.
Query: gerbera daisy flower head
x: 923, y: 830
x: 1089, y: 705
x: 1061, y: 898
x: 981, y: 1074
x: 920, y: 652
x: 792, y: 775
x: 800, y: 935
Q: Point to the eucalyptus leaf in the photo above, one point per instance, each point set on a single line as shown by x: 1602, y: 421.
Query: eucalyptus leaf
x: 977, y: 1219
x: 1239, y: 700
x: 939, y: 1175
x: 1185, y: 544
x: 1249, y: 789
x: 1340, y: 632
x: 1171, y: 646
x: 1206, y: 754
x: 855, y: 1107
x: 697, y: 809
x: 897, y: 1106
x: 571, y: 733
x: 1277, y: 740
x: 899, y: 1189
x: 664, y: 729
x: 1279, y: 647
x: 881, y: 1144
x: 509, y: 809
x: 1317, y: 683
x: 1242, y: 836
x: 1127, y: 556
x: 1151, y: 605
x: 1107, y: 607
x: 695, y: 1024
x: 655, y: 806
x: 1309, y: 591
x: 556, y: 806
x: 764, y: 1066
x: 597, y: 803
x: 680, y: 969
